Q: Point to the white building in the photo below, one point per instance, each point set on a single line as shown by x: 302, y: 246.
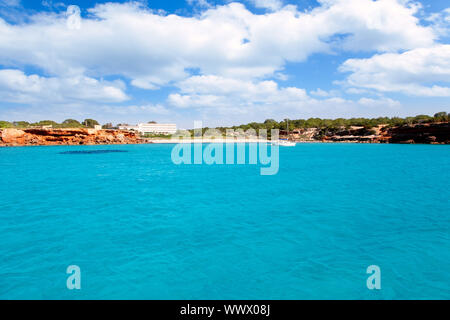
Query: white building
x: 156, y: 128
x: 127, y: 127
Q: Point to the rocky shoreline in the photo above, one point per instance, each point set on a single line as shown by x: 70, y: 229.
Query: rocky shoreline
x: 435, y: 133
x: 76, y: 136
x: 432, y: 133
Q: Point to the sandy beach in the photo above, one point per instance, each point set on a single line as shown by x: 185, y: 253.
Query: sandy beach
x: 200, y: 140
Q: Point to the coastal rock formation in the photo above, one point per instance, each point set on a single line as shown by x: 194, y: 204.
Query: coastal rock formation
x: 304, y: 134
x: 25, y: 137
x: 432, y: 133
x: 12, y: 136
x: 354, y: 134
x: 428, y: 133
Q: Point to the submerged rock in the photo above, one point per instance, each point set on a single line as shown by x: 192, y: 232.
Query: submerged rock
x: 92, y: 151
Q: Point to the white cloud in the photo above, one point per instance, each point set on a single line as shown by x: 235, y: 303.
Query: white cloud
x: 15, y: 86
x: 219, y: 92
x: 53, y: 5
x: 440, y: 22
x: 145, y: 84
x: 281, y: 76
x: 413, y: 72
x: 146, y: 109
x: 229, y: 41
x: 320, y: 93
x: 220, y: 99
x: 384, y: 25
x: 268, y: 4
x: 357, y: 91
x: 11, y: 3
x: 200, y: 3
x: 196, y: 101
x: 381, y: 102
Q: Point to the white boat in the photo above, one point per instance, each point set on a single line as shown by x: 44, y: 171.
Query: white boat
x: 283, y: 143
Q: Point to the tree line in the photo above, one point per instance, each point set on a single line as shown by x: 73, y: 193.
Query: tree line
x: 69, y: 123
x: 331, y: 124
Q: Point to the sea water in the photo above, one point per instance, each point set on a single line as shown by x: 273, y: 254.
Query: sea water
x: 140, y: 227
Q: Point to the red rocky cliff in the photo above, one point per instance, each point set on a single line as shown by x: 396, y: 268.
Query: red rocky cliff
x: 43, y: 137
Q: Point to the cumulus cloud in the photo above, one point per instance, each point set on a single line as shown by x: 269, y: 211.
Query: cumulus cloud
x: 224, y: 98
x: 153, y: 50
x: 381, y: 102
x: 17, y: 87
x: 53, y: 5
x: 200, y: 3
x: 219, y: 92
x: 321, y: 93
x: 440, y: 22
x: 384, y: 25
x: 146, y: 109
x: 413, y: 72
x: 268, y: 4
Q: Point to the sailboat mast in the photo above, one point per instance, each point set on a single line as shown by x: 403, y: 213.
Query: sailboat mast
x: 287, y: 128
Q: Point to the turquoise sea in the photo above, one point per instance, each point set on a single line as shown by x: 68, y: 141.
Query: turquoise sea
x: 141, y: 227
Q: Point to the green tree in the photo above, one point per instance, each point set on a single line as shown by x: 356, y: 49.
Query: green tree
x: 422, y: 118
x: 21, y: 124
x: 46, y: 123
x: 71, y: 123
x: 107, y: 126
x: 5, y: 124
x: 441, y: 116
x: 90, y: 123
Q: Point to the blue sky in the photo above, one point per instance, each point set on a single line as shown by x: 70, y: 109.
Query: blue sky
x: 223, y: 62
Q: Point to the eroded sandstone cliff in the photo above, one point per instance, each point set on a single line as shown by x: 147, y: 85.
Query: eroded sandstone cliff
x: 25, y: 137
x: 434, y: 133
x: 428, y: 133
